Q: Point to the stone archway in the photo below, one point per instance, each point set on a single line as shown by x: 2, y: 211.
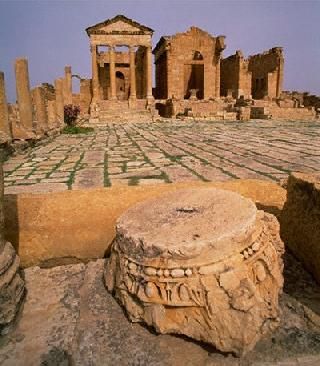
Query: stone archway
x: 120, y: 86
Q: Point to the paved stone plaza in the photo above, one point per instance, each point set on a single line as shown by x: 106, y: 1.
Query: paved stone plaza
x: 165, y: 152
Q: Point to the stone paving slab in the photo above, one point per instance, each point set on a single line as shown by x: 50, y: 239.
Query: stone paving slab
x: 69, y: 318
x: 166, y: 152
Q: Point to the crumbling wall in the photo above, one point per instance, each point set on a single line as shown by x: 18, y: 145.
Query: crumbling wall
x: 235, y: 77
x: 267, y: 73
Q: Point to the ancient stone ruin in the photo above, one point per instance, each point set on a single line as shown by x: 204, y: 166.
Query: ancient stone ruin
x: 199, y: 262
x: 300, y: 219
x: 193, y: 80
x: 11, y: 283
x: 204, y: 263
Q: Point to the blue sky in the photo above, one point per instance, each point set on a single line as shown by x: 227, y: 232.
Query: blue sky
x: 51, y: 34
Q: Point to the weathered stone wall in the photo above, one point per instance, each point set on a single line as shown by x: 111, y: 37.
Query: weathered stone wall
x: 300, y: 220
x: 36, y: 224
x: 191, y: 61
x: 267, y: 73
x: 11, y: 283
x: 235, y: 77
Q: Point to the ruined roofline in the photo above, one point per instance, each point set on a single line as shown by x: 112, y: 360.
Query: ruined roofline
x: 91, y: 30
x: 164, y: 39
x: 238, y: 54
x: 273, y: 50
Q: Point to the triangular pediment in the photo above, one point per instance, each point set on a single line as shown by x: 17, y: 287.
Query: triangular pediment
x: 118, y: 25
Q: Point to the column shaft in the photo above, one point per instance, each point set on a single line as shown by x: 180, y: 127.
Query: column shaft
x: 149, y: 73
x: 112, y: 74
x: 58, y: 84
x: 23, y: 93
x: 95, y: 74
x: 67, y: 87
x: 4, y: 115
x: 41, y: 114
x: 133, y: 92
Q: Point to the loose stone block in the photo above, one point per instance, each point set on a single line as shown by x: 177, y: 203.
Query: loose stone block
x: 4, y: 115
x: 200, y: 262
x: 23, y: 93
x: 11, y: 283
x: 300, y: 220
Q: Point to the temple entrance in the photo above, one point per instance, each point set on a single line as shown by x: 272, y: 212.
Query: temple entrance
x: 194, y: 81
x: 120, y: 86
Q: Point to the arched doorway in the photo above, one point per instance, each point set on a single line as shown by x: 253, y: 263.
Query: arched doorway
x: 120, y: 86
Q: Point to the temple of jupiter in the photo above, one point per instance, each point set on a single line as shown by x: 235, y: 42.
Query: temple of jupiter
x: 200, y: 262
x: 40, y: 108
x: 67, y: 85
x: 24, y: 94
x: 121, y: 52
x: 11, y: 283
x: 58, y: 84
x: 4, y: 115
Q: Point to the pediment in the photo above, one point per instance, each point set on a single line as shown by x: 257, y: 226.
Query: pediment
x: 119, y: 25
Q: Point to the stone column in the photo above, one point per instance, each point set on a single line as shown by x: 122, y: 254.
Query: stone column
x: 39, y: 101
x: 85, y: 95
x: 149, y: 73
x: 23, y: 93
x: 95, y: 74
x: 4, y: 115
x: 58, y: 84
x: 112, y: 74
x: 133, y: 93
x: 52, y: 114
x: 67, y: 85
x: 11, y: 284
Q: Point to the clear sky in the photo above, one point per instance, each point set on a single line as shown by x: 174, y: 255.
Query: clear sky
x: 51, y: 34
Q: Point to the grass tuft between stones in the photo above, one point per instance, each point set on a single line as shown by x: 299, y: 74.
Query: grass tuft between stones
x: 75, y: 130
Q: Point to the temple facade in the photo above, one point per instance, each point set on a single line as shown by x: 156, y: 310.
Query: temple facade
x: 188, y: 65
x: 191, y: 75
x: 121, y: 52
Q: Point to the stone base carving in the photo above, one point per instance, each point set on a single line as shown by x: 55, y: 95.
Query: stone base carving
x: 11, y: 286
x: 203, y: 263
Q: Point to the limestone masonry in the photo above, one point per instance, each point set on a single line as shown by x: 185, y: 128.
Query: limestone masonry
x: 203, y: 263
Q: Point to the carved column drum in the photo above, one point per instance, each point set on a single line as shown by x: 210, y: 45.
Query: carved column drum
x: 200, y: 262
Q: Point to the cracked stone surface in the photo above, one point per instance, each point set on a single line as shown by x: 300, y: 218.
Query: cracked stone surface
x: 204, y: 263
x: 163, y: 152
x: 70, y: 319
